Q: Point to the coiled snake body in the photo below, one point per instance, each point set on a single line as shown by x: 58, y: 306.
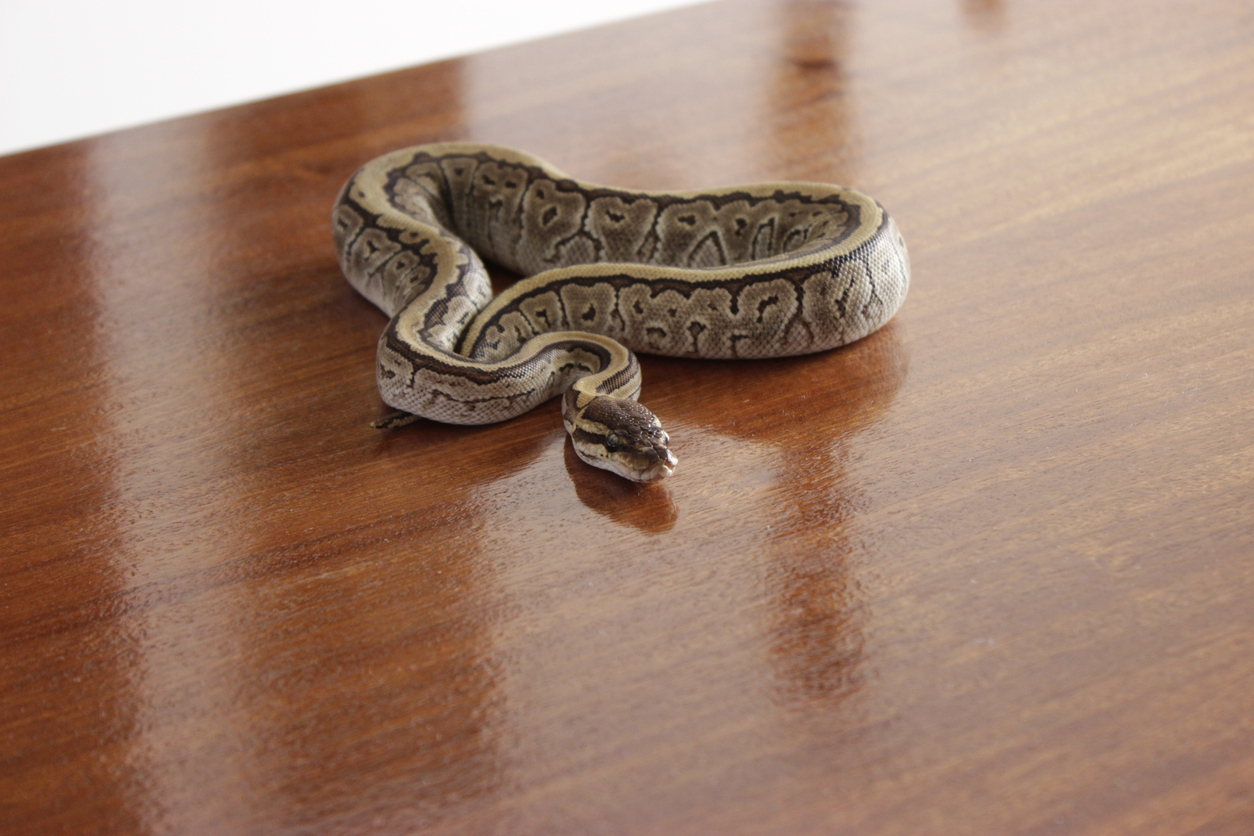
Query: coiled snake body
x: 764, y: 270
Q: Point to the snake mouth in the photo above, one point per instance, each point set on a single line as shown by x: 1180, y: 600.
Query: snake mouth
x: 656, y: 473
x: 653, y: 469
x: 658, y: 470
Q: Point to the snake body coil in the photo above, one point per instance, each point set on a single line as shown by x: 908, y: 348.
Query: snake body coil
x: 765, y: 270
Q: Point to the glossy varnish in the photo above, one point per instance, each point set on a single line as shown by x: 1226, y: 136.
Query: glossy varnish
x: 987, y: 571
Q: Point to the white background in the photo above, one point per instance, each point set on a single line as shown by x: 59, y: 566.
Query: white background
x: 74, y: 68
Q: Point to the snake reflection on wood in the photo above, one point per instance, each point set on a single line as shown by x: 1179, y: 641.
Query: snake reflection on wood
x: 765, y: 270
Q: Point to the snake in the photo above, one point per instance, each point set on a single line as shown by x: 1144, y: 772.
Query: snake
x: 742, y: 272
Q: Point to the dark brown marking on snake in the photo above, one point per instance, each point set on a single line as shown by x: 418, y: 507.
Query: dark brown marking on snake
x: 798, y: 318
x: 766, y: 303
x: 625, y: 414
x: 796, y: 235
x: 763, y: 249
x: 711, y: 239
x: 513, y: 366
x: 598, y: 248
x: 437, y: 313
x: 473, y: 404
x: 571, y: 365
x: 695, y: 330
x: 581, y: 435
x: 620, y: 379
x: 617, y: 314
x: 649, y: 246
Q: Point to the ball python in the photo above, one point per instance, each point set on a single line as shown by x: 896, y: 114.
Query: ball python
x: 765, y: 270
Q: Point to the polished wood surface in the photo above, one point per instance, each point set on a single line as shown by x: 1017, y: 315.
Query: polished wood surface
x: 987, y: 571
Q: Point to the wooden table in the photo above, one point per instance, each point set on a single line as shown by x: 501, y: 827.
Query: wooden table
x: 987, y: 571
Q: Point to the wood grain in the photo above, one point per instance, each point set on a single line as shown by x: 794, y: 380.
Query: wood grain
x: 986, y: 572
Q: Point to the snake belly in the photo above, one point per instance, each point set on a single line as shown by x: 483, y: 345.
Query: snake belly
x: 764, y: 270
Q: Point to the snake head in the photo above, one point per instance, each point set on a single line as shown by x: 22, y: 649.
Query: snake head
x: 620, y: 436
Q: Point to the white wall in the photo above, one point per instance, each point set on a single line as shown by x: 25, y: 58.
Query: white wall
x: 74, y: 68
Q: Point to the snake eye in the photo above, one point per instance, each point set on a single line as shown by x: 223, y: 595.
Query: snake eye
x: 611, y: 443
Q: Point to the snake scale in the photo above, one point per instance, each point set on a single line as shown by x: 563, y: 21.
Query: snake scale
x: 765, y: 270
